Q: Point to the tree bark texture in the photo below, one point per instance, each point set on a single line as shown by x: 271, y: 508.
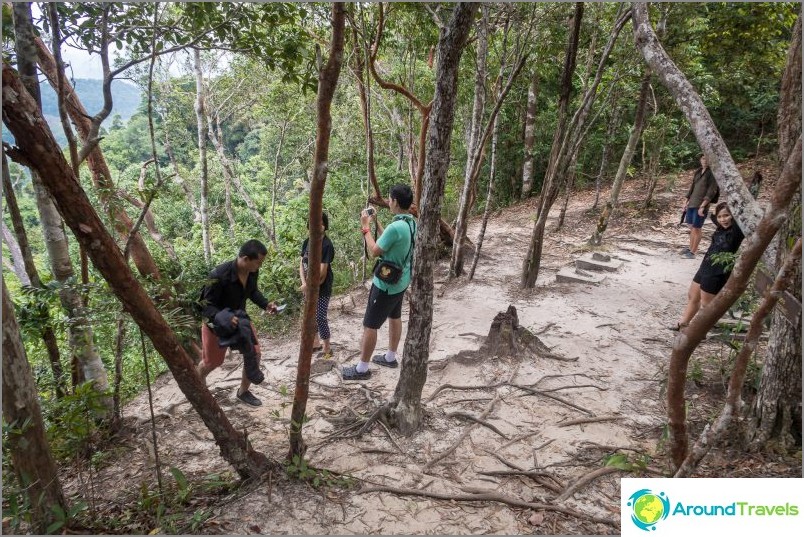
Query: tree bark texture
x: 405, y: 408
x: 530, y: 136
x: 751, y: 250
x: 32, y: 461
x: 17, y: 261
x: 48, y: 336
x: 80, y: 335
x: 530, y: 266
x: 789, y: 117
x: 202, y: 154
x: 327, y: 82
x: 625, y: 161
x: 36, y: 144
x: 101, y: 175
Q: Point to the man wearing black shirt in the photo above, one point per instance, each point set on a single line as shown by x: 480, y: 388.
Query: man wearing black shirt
x: 224, y: 306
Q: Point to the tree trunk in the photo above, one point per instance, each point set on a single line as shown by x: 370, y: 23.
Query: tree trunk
x: 31, y: 459
x: 79, y: 330
x: 327, y: 82
x: 530, y: 267
x: 775, y: 415
x: 48, y: 336
x: 567, y: 192
x: 18, y: 263
x: 614, y: 124
x: 489, y: 198
x: 530, y: 138
x: 625, y: 161
x: 188, y: 194
x: 405, y: 406
x: 37, y: 146
x: 473, y: 145
x: 202, y: 154
x: 468, y: 196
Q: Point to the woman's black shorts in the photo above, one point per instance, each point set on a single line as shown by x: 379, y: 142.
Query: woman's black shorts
x: 710, y: 283
x: 382, y: 306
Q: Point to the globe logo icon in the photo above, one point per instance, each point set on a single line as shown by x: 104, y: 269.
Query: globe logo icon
x: 648, y: 508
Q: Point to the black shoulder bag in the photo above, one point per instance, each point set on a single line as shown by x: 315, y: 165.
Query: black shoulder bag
x: 388, y: 271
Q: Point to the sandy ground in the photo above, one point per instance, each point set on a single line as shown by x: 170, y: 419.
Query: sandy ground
x: 615, y: 332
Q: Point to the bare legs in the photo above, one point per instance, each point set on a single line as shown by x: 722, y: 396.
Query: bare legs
x: 695, y: 239
x: 696, y: 299
x: 369, y: 342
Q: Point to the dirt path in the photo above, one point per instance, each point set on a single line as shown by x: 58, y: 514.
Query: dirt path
x: 615, y: 332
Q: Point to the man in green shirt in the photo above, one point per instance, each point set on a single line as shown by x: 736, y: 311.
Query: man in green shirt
x: 394, y: 244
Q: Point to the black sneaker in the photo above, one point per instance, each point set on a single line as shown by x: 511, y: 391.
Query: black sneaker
x: 379, y: 359
x: 351, y: 373
x: 248, y: 398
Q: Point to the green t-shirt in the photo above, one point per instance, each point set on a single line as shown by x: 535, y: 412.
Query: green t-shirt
x: 395, y: 244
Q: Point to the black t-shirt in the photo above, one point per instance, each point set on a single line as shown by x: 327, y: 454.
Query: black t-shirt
x: 327, y: 255
x: 226, y: 291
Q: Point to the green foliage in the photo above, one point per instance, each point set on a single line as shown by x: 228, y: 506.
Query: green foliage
x: 724, y: 259
x: 629, y: 464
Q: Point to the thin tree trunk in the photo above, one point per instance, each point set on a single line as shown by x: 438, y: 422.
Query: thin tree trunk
x: 150, y: 225
x: 473, y: 144
x: 467, y: 201
x: 530, y: 138
x: 17, y: 262
x: 31, y: 459
x: 489, y: 198
x: 119, y: 347
x: 188, y: 194
x: 37, y: 147
x: 653, y: 166
x: 202, y: 154
x: 275, y: 181
x: 625, y: 161
x: 327, y: 82
x: 404, y: 410
x: 48, y: 336
x: 230, y: 174
x: 80, y: 336
x: 614, y: 124
x: 530, y: 267
x: 567, y: 192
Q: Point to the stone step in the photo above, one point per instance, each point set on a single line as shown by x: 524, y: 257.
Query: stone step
x: 577, y: 275
x: 598, y: 261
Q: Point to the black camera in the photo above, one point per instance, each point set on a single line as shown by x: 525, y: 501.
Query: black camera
x: 370, y: 211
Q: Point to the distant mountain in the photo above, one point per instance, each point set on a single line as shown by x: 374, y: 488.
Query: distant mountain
x: 126, y: 98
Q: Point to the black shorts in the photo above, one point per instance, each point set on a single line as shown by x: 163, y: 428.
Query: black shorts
x: 710, y: 283
x: 382, y: 306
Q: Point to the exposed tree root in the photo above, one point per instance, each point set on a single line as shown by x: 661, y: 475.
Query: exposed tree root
x: 480, y: 495
x: 585, y: 480
x: 590, y: 420
x: 463, y: 436
x: 477, y: 420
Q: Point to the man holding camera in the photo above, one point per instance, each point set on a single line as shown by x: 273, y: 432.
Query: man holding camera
x: 394, y: 246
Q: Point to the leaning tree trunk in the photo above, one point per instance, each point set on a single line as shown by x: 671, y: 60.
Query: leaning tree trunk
x: 625, y: 161
x: 489, y: 198
x: 48, y: 336
x: 530, y: 266
x: 202, y: 154
x: 31, y: 459
x: 776, y: 410
x: 89, y: 366
x: 37, y: 146
x: 327, y: 82
x: 530, y: 138
x: 17, y: 261
x: 405, y: 407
